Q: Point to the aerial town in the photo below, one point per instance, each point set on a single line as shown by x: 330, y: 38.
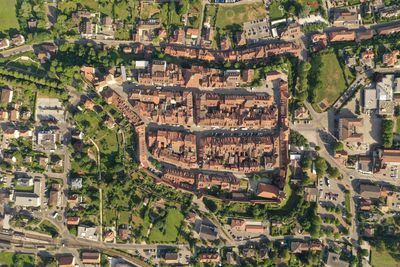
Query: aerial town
x: 200, y: 133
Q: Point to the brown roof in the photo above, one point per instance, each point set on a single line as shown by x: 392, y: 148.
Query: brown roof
x: 66, y: 261
x: 254, y: 228
x: 73, y: 220
x: 370, y: 191
x: 342, y: 36
x: 267, y: 191
x: 348, y: 129
x: 391, y: 156
x: 90, y: 257
x: 237, y: 223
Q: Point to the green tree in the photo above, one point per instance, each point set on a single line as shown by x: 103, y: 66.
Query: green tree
x: 306, y: 163
x: 387, y: 133
x: 333, y: 172
x: 338, y: 146
x: 321, y: 166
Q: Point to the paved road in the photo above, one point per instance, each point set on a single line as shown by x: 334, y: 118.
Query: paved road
x: 350, y: 91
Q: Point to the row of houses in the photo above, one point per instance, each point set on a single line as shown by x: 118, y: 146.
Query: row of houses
x: 320, y: 40
x: 162, y: 73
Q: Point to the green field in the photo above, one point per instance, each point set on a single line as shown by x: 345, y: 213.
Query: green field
x: 109, y: 217
x: 124, y: 217
x: 226, y: 15
x: 17, y: 260
x: 327, y: 70
x: 382, y: 259
x: 172, y: 225
x: 8, y: 16
x: 22, y: 188
x: 276, y: 11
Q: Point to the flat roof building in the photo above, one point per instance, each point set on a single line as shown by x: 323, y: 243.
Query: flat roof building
x: 29, y: 199
x: 370, y: 100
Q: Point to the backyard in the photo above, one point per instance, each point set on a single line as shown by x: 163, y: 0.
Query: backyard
x: 327, y: 80
x: 8, y: 16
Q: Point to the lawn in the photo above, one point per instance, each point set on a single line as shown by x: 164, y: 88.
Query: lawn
x: 8, y: 16
x: 149, y: 10
x: 124, y: 217
x: 382, y: 259
x: 18, y: 260
x: 276, y: 11
x: 22, y: 188
x: 109, y: 217
x: 170, y: 232
x: 238, y: 14
x: 327, y: 70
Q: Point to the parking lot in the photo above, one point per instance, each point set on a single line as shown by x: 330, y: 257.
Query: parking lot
x: 330, y: 192
x: 391, y: 172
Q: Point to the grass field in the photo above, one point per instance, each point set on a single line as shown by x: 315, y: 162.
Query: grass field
x: 172, y: 224
x: 326, y: 66
x: 235, y: 14
x: 13, y: 259
x: 276, y: 11
x: 8, y: 16
x: 22, y: 188
x: 109, y: 217
x: 124, y: 217
x: 382, y: 259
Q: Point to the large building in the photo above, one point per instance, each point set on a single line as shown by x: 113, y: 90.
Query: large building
x: 391, y: 157
x: 346, y: 18
x: 29, y: 199
x: 349, y: 130
x: 370, y: 99
x: 268, y: 191
x: 384, y: 90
